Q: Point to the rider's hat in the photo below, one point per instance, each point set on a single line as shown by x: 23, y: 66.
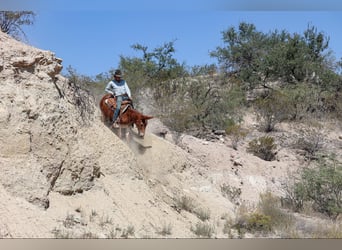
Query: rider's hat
x: 117, y: 73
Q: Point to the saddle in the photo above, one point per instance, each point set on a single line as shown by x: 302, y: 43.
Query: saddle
x: 111, y: 103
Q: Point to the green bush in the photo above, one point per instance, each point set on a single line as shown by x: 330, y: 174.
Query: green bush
x: 272, y: 109
x: 256, y: 57
x: 302, y: 98
x: 259, y: 223
x: 322, y: 186
x: 255, y: 222
x: 263, y: 147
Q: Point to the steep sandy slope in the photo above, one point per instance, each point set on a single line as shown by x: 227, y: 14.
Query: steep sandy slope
x: 64, y: 176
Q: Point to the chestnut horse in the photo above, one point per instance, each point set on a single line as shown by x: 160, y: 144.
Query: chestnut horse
x: 128, y: 116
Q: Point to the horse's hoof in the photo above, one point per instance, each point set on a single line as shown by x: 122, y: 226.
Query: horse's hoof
x: 115, y: 125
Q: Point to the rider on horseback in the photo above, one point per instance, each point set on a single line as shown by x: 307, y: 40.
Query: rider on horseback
x: 118, y: 88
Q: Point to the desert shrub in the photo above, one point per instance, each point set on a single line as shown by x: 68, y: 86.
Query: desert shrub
x: 272, y: 109
x: 254, y: 223
x: 195, y: 105
x: 203, y: 229
x: 189, y: 204
x: 294, y: 194
x: 185, y: 203
x: 257, y: 222
x: 62, y: 234
x: 81, y: 97
x: 332, y: 103
x: 236, y: 133
x: 11, y: 22
x: 227, y: 227
x: 270, y: 205
x: 69, y: 221
x: 230, y: 192
x: 128, y: 231
x: 154, y: 68
x: 256, y: 57
x: 333, y: 231
x: 240, y: 222
x: 302, y: 98
x: 106, y: 220
x: 310, y: 140
x: 166, y: 229
x: 202, y: 213
x: 321, y: 185
x: 263, y: 147
x: 88, y: 235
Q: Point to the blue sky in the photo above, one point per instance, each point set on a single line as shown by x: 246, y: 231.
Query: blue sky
x: 91, y: 35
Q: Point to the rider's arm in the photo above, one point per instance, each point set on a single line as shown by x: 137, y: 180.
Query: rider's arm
x: 128, y: 91
x: 109, y: 88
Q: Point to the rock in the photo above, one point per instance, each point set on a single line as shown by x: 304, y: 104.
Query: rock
x: 219, y: 132
x: 237, y: 162
x: 44, y: 147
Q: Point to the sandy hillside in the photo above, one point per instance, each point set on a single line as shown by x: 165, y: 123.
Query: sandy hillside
x: 65, y: 177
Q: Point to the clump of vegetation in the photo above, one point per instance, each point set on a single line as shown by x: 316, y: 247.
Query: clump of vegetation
x: 310, y: 140
x: 270, y: 205
x: 81, y: 97
x: 62, y: 234
x: 166, y: 229
x: 89, y: 235
x: 257, y: 222
x: 271, y: 110
x: 105, y: 220
x: 11, y: 22
x: 236, y: 133
x: 69, y: 221
x: 185, y: 203
x: 129, y: 231
x: 203, y: 229
x: 230, y: 192
x: 253, y: 223
x: 202, y: 213
x: 263, y: 147
x: 320, y: 185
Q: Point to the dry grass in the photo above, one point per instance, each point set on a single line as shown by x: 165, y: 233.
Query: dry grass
x: 203, y: 230
x: 166, y: 229
x: 185, y: 203
x: 202, y: 213
x: 270, y: 205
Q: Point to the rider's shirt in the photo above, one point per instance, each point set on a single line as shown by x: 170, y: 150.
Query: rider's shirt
x: 118, y: 88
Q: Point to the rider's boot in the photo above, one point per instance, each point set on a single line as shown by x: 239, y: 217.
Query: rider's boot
x: 116, y: 123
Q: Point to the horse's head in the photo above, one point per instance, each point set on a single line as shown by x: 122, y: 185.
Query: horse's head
x: 141, y: 124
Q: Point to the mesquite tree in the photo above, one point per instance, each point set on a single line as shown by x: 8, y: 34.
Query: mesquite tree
x: 11, y: 22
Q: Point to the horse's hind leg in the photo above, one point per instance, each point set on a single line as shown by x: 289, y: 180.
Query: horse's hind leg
x: 119, y: 130
x: 125, y: 134
x: 128, y: 136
